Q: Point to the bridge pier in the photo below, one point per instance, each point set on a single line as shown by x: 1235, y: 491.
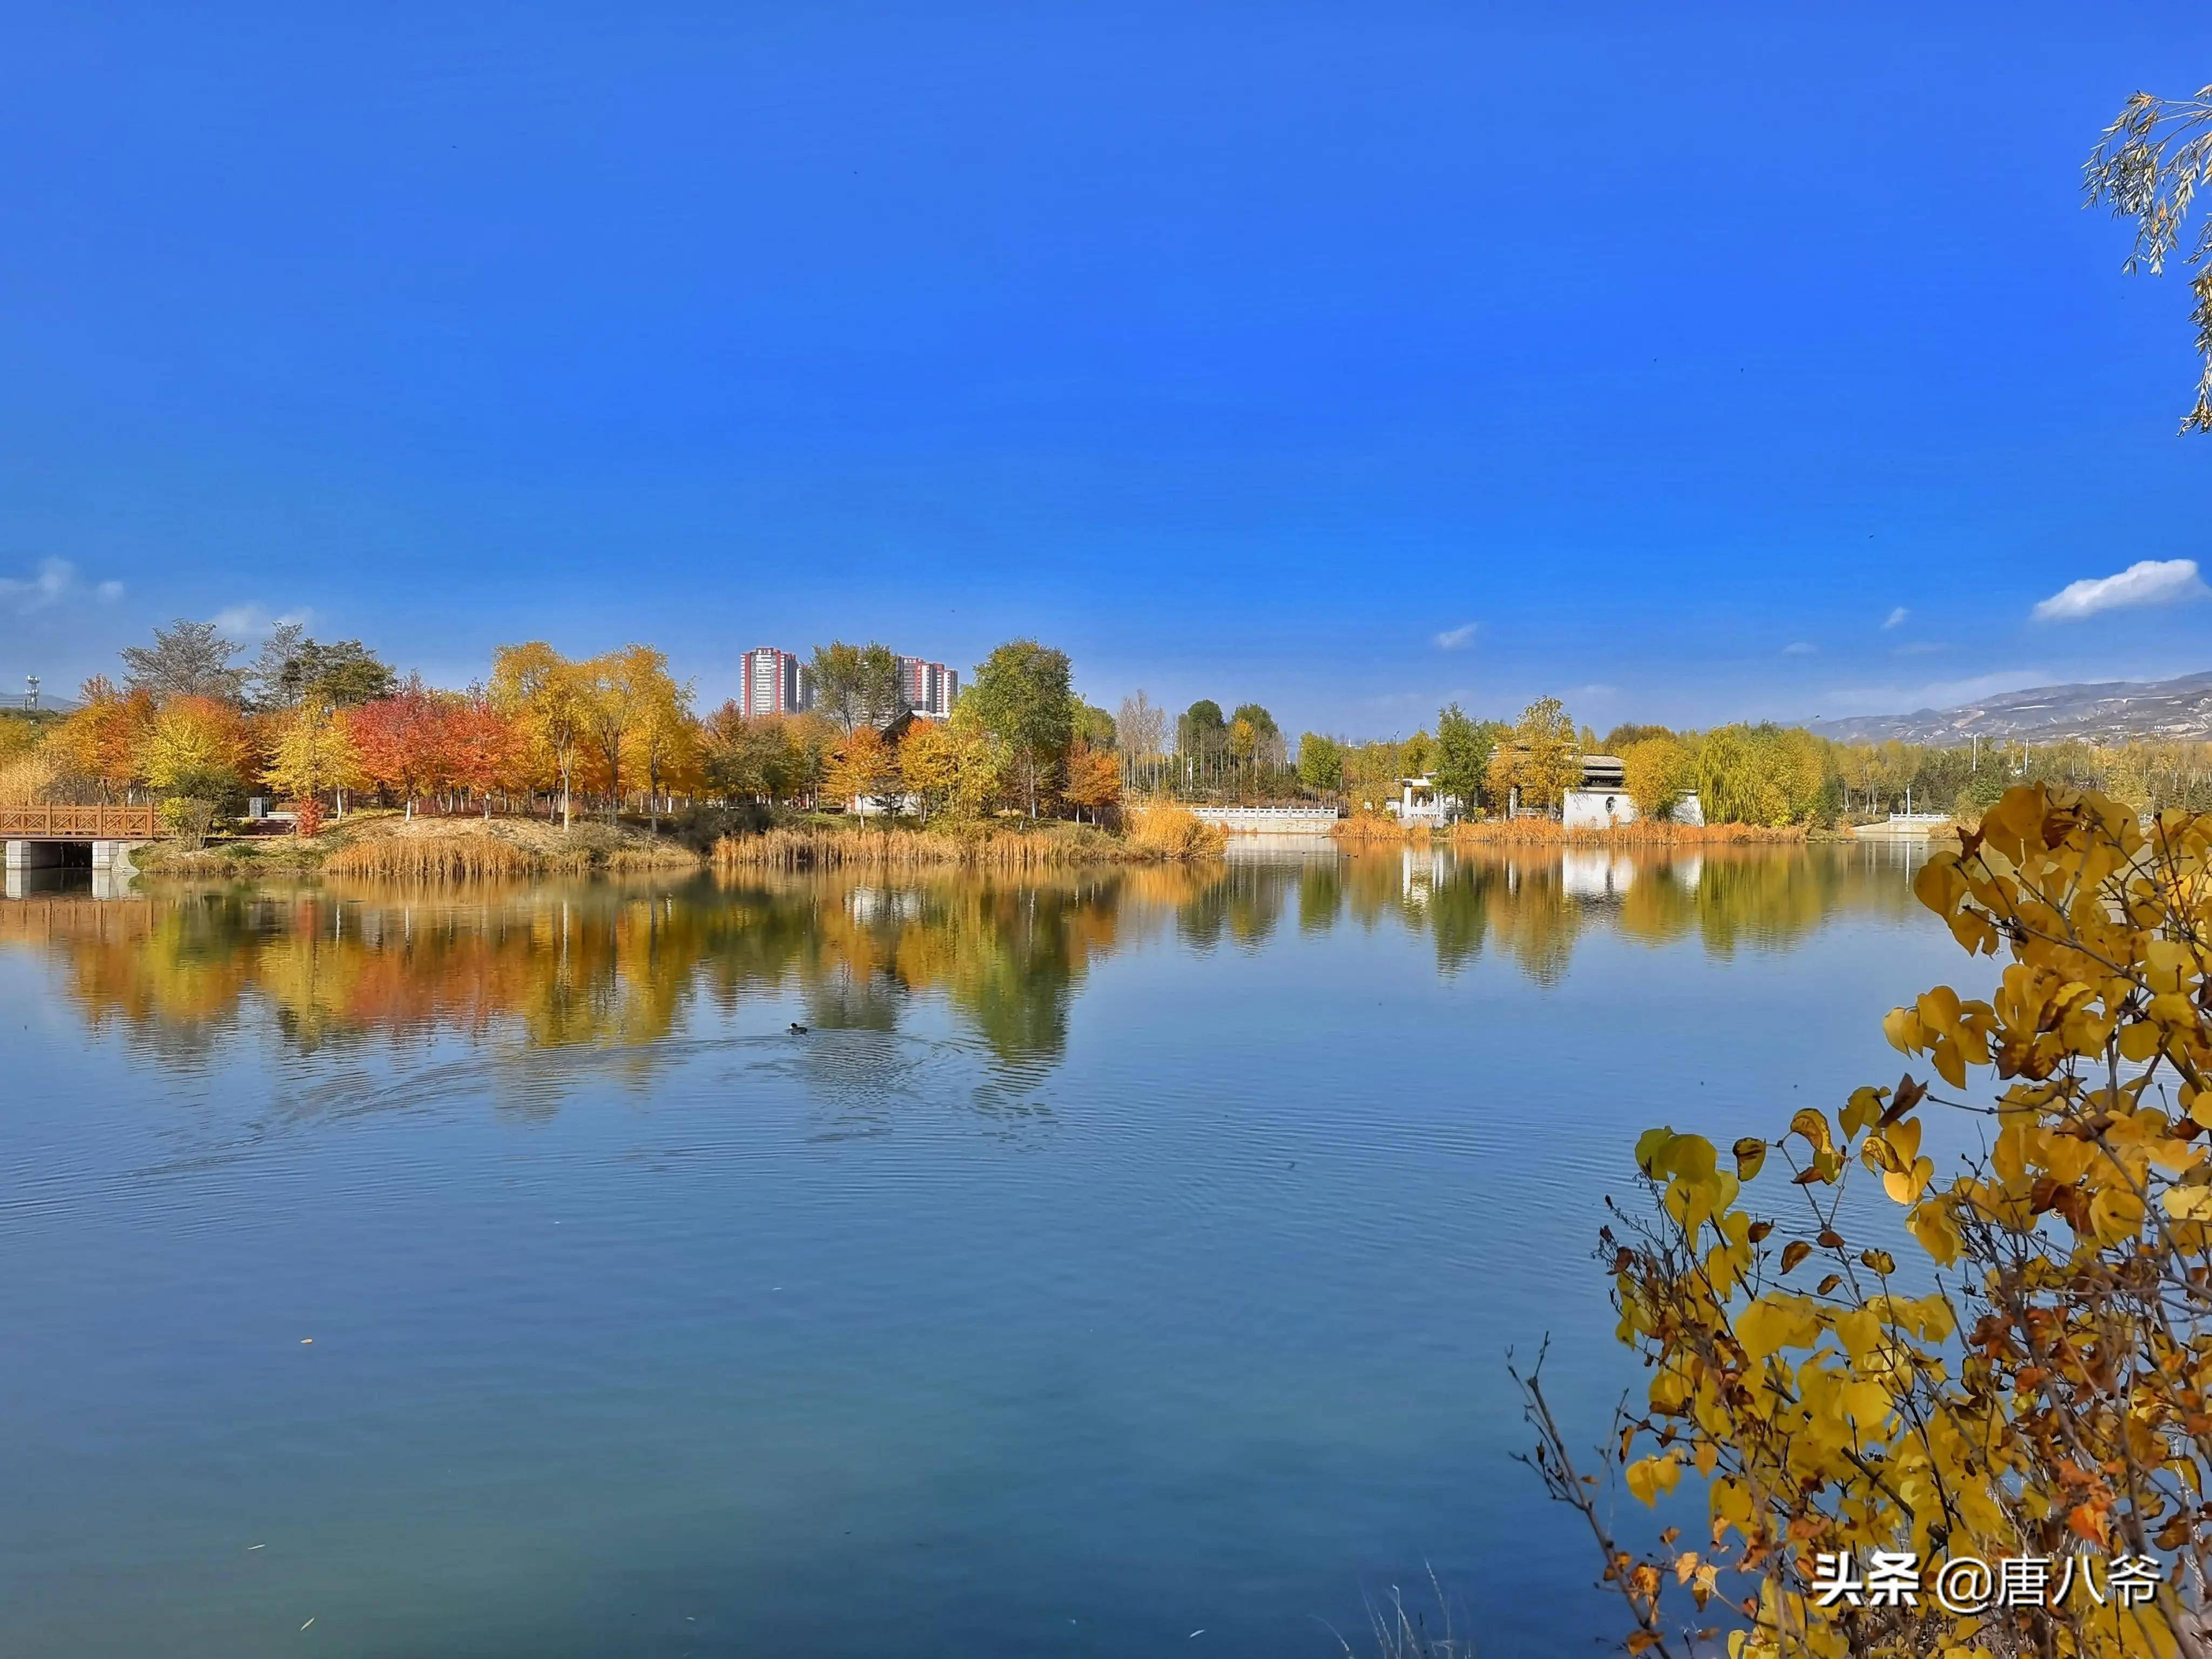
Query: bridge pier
x: 34, y: 855
x: 114, y: 854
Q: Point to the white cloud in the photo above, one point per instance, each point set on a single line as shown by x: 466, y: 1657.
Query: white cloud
x: 57, y: 580
x: 1896, y: 618
x: 1942, y: 694
x: 248, y: 623
x: 1801, y: 648
x: 1457, y: 639
x: 2149, y: 581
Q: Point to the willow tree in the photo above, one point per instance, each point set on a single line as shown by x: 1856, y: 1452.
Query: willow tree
x: 2148, y: 168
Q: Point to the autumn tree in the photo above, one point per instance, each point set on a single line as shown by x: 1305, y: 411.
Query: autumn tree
x: 1094, y: 780
x: 403, y: 743
x: 1761, y: 775
x: 196, y: 746
x: 315, y: 756
x: 628, y: 695
x: 929, y: 762
x: 666, y: 736
x: 1539, y: 757
x: 1020, y: 697
x: 1658, y: 772
x: 549, y: 698
x: 105, y: 740
x: 2033, y: 1389
x: 862, y: 767
x: 485, y: 750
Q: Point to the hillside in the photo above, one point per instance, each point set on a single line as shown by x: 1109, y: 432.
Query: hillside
x: 2103, y: 713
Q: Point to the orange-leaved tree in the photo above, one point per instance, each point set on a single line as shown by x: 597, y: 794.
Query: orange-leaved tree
x: 1094, y: 779
x: 2036, y: 1389
x: 404, y: 742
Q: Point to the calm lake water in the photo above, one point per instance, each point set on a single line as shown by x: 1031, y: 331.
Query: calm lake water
x: 1114, y: 1259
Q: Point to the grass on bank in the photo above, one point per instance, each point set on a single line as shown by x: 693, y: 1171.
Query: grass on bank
x: 386, y: 846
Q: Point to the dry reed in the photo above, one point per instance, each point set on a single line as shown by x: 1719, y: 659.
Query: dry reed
x: 25, y: 780
x: 435, y: 858
x: 1168, y: 831
x: 824, y: 847
x: 1375, y: 828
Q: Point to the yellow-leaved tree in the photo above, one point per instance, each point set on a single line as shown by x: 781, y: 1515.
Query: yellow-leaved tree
x: 2037, y: 1389
x: 315, y: 755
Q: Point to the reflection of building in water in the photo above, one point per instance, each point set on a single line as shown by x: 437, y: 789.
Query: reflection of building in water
x: 1595, y: 875
x: 1419, y: 872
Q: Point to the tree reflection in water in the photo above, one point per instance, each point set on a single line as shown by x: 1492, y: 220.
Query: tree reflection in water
x: 625, y: 968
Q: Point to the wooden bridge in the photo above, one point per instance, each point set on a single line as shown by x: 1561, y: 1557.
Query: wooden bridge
x: 80, y: 824
x: 44, y: 838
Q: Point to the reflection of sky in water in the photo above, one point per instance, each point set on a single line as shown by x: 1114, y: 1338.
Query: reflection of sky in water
x: 1112, y: 1257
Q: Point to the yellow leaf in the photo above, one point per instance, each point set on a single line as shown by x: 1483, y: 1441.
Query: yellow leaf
x: 2187, y: 1203
x: 1811, y: 1124
x: 1794, y: 1252
x: 1750, y: 1153
x: 1904, y: 1186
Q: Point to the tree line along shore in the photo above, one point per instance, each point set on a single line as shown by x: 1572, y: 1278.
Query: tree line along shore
x: 555, y: 763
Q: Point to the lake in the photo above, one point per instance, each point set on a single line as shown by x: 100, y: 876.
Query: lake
x: 1125, y: 1263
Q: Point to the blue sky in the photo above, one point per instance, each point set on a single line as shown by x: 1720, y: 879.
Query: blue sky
x: 1348, y: 358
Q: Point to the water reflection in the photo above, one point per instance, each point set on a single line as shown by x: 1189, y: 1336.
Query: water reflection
x: 626, y: 968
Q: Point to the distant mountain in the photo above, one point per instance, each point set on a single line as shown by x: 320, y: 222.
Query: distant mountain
x: 2171, y: 709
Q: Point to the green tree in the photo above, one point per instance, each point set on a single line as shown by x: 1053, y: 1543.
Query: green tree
x: 1463, y: 748
x: 1266, y: 735
x: 856, y: 684
x: 1021, y: 697
x: 1092, y: 725
x: 1320, y: 762
x: 1200, y: 731
x: 187, y: 659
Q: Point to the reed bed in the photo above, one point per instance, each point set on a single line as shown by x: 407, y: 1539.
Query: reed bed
x: 435, y: 859
x: 1168, y: 831
x: 459, y: 853
x: 1375, y: 830
x: 1156, y: 833
x: 825, y: 848
x: 1489, y: 832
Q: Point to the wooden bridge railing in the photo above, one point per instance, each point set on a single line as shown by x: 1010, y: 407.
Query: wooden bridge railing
x: 80, y: 824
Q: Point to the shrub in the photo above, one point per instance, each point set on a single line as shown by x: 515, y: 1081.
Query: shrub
x: 2048, y: 1402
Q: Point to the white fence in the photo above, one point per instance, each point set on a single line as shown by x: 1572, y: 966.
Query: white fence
x: 1268, y: 820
